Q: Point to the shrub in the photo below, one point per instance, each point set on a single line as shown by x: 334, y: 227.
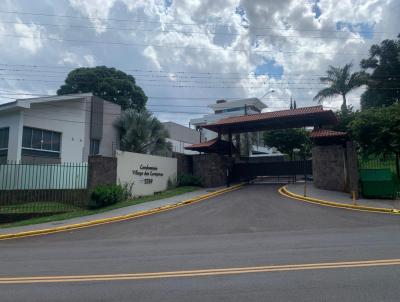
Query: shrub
x: 105, y: 195
x: 189, y: 180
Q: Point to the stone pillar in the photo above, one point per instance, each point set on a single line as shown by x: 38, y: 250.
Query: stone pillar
x: 102, y: 171
x: 211, y: 168
x: 329, y: 167
x: 184, y: 162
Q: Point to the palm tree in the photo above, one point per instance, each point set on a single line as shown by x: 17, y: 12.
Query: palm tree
x: 341, y: 82
x: 141, y: 132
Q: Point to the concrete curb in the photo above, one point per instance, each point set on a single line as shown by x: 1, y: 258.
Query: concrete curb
x: 285, y: 192
x: 118, y: 218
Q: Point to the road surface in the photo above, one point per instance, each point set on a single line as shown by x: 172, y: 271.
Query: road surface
x: 248, y: 245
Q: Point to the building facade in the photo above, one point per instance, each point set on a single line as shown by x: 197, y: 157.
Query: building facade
x: 181, y: 136
x: 223, y: 109
x: 56, y: 129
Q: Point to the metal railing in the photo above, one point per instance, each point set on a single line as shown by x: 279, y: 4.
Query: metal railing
x: 31, y: 190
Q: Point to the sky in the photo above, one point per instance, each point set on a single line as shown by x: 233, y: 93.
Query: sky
x: 186, y: 54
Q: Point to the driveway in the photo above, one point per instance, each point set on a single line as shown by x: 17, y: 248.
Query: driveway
x: 251, y: 227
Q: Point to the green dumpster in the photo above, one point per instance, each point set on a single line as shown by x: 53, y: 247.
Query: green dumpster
x: 380, y: 183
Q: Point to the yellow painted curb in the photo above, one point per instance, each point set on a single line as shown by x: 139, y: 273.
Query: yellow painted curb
x: 284, y: 191
x: 118, y: 218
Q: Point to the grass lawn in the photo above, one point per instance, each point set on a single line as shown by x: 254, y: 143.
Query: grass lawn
x: 77, y: 212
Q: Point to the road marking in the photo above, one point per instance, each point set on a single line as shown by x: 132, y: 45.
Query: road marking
x: 199, y: 273
x: 285, y: 192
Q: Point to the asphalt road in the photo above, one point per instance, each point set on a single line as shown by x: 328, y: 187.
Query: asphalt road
x: 250, y: 227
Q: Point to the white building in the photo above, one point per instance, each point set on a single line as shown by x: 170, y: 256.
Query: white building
x: 223, y: 109
x: 55, y: 129
x: 181, y: 136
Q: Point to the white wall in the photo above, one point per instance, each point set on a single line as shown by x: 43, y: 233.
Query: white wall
x: 131, y: 170
x: 14, y: 121
x: 109, y: 141
x: 65, y: 117
x: 179, y: 147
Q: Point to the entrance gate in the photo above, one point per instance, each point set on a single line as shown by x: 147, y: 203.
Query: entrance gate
x: 281, y: 170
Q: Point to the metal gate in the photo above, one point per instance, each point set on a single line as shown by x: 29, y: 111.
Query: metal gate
x: 280, y: 170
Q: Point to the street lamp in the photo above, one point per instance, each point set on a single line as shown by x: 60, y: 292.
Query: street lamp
x: 268, y: 92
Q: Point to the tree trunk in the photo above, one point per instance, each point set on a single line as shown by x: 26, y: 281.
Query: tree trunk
x: 398, y: 164
x: 344, y: 104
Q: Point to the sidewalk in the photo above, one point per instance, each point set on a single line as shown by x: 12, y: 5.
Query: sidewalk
x: 341, y: 197
x: 117, y: 212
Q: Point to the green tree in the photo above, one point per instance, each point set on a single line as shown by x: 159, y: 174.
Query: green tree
x: 377, y: 131
x: 340, y: 82
x: 344, y: 119
x: 384, y: 82
x: 287, y: 140
x: 108, y: 83
x: 141, y: 132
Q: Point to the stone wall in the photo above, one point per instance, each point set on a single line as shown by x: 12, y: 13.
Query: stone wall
x: 211, y: 168
x: 329, y: 172
x: 335, y: 167
x: 102, y: 171
x: 185, y: 163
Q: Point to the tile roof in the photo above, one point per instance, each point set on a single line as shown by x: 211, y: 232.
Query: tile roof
x: 203, y: 144
x: 322, y: 133
x: 271, y: 115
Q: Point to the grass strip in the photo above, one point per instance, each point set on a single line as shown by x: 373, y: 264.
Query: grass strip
x: 85, y: 212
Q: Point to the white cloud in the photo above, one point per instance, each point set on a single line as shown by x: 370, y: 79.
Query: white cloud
x: 74, y: 59
x: 30, y: 36
x: 303, y: 55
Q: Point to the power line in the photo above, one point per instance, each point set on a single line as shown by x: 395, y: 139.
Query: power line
x: 95, y: 42
x: 195, y: 86
x: 77, y: 27
x: 159, y: 73
x: 180, y: 23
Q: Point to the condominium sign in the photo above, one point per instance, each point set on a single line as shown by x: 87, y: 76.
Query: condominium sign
x: 145, y: 174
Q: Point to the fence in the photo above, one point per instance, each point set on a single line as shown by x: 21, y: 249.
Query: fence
x: 379, y: 162
x: 31, y: 190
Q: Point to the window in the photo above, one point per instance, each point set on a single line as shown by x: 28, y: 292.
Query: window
x: 4, y: 134
x: 4, y: 138
x: 94, y: 146
x: 39, y: 142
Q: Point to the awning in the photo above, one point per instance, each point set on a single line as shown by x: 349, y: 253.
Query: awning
x: 293, y: 118
x: 213, y: 146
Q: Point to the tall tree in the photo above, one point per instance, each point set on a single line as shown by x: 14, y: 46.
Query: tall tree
x: 377, y: 131
x: 384, y: 82
x: 287, y: 140
x: 141, y: 132
x: 108, y: 83
x: 341, y: 81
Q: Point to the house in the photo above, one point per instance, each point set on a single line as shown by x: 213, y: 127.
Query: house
x: 54, y: 129
x: 223, y: 109
x: 181, y: 136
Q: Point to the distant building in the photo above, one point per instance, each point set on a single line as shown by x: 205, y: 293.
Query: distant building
x: 223, y: 109
x: 181, y: 136
x: 56, y: 129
